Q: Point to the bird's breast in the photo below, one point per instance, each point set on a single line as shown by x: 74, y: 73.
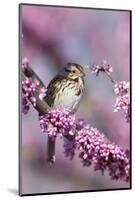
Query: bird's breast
x: 69, y: 96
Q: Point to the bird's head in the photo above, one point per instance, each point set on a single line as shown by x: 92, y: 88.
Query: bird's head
x: 73, y: 71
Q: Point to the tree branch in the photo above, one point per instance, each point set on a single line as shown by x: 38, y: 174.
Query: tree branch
x: 94, y: 148
x: 41, y: 105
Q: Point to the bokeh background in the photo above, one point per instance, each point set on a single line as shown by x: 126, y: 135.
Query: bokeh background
x: 51, y: 37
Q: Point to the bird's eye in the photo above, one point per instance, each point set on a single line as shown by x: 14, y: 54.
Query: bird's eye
x: 74, y: 71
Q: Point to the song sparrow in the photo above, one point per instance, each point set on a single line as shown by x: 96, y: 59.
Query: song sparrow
x: 64, y: 91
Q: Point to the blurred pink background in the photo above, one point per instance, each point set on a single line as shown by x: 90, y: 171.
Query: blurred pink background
x: 51, y: 37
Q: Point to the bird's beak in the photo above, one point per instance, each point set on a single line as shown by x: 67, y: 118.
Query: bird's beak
x: 82, y: 74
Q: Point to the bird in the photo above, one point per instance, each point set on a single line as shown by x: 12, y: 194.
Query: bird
x: 65, y: 90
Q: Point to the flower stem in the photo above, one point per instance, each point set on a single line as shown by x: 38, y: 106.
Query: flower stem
x: 112, y: 80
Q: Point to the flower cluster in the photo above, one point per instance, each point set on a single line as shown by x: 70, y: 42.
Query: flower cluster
x: 104, y: 67
x: 60, y: 121
x: 42, y: 93
x: 122, y: 91
x: 28, y: 87
x: 96, y: 149
x: 121, y: 88
x: 25, y: 104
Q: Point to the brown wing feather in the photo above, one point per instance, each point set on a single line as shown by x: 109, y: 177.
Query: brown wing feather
x: 52, y: 89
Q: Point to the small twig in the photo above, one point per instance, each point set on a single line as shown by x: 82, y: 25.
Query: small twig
x: 107, y: 73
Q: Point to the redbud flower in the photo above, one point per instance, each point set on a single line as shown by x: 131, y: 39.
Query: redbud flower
x: 25, y: 105
x: 28, y: 86
x: 104, y: 67
x: 122, y: 103
x: 96, y: 149
x: 121, y: 88
x: 60, y: 121
x: 95, y: 69
x: 42, y: 93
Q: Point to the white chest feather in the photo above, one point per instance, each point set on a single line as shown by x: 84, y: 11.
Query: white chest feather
x: 69, y: 98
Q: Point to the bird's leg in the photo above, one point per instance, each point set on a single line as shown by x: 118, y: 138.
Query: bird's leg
x: 51, y: 150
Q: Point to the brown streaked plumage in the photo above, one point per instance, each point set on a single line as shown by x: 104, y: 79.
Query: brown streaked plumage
x: 65, y: 90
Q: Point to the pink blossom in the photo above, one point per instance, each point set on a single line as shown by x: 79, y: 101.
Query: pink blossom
x: 122, y: 102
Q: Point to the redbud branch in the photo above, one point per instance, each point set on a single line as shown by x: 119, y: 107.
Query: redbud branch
x: 41, y: 105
